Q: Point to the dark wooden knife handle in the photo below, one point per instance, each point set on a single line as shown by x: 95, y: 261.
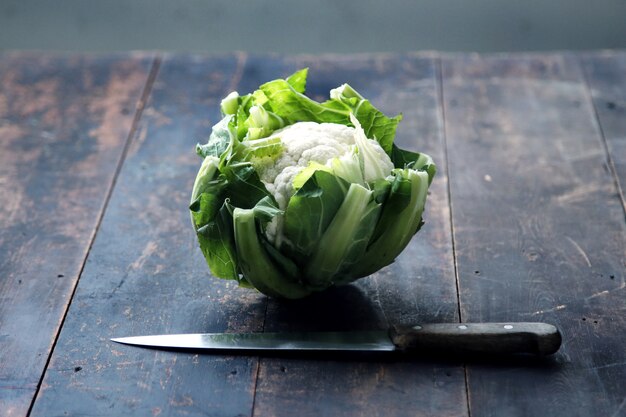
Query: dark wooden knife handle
x: 499, y: 338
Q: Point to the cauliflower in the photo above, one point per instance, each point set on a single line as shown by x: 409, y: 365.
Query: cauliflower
x: 295, y: 196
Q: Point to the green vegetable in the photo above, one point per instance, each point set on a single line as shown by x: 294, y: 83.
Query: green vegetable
x: 294, y: 196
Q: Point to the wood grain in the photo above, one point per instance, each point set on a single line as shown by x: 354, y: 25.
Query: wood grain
x: 418, y: 287
x: 538, y: 229
x: 606, y: 76
x: 146, y: 274
x: 537, y: 221
x: 64, y: 123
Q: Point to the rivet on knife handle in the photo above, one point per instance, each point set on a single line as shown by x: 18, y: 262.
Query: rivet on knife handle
x: 505, y: 338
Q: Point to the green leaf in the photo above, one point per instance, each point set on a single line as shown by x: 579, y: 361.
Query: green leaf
x: 360, y: 240
x: 286, y: 266
x: 294, y: 107
x: 419, y: 161
x: 207, y: 195
x: 205, y: 179
x: 259, y: 152
x: 262, y: 123
x: 230, y: 103
x: 375, y: 124
x: 381, y: 190
x: 245, y: 189
x: 310, y: 211
x: 374, y: 167
x: 266, y: 209
x: 256, y: 265
x: 205, y: 208
x: 400, y: 219
x: 425, y: 163
x: 343, y: 239
x: 218, y: 245
x: 297, y: 80
x: 221, y: 137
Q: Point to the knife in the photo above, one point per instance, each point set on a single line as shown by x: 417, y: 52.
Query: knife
x: 480, y: 338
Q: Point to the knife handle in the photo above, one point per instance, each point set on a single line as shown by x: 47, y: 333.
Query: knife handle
x: 495, y: 338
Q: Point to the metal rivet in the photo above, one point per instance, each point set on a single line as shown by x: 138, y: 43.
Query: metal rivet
x: 418, y: 327
x: 508, y: 326
x: 462, y: 327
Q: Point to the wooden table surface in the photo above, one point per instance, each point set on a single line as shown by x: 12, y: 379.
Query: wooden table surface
x: 525, y: 222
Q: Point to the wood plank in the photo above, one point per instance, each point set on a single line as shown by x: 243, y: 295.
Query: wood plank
x: 64, y: 124
x: 538, y: 229
x: 145, y: 274
x: 419, y: 287
x: 606, y: 76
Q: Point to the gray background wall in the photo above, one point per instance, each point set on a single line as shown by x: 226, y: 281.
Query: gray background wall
x: 313, y: 26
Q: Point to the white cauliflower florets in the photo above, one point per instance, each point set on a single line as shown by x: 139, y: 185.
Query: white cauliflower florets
x: 304, y: 142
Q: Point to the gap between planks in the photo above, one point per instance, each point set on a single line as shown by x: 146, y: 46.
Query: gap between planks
x: 442, y: 111
x: 145, y: 94
x: 598, y: 124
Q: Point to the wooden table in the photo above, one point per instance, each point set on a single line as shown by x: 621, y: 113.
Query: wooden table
x: 525, y: 222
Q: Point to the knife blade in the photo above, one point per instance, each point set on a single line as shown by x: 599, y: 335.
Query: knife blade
x: 498, y: 338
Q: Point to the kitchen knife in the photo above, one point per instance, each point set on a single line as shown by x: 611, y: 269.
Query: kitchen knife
x: 497, y: 338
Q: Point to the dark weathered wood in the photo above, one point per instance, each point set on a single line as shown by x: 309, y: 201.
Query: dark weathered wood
x: 64, y: 123
x: 538, y: 226
x: 146, y: 274
x: 419, y: 287
x: 606, y: 76
x: 538, y: 229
